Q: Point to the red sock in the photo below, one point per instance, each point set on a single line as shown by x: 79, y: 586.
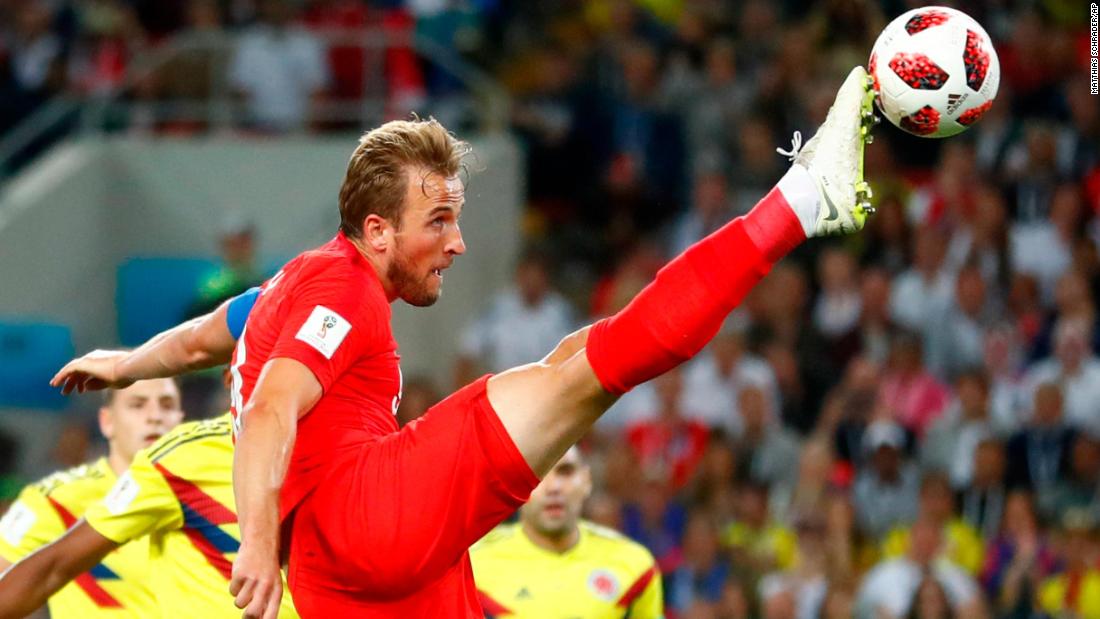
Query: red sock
x: 674, y: 317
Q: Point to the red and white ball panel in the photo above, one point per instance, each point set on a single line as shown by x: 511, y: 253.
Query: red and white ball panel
x: 935, y: 71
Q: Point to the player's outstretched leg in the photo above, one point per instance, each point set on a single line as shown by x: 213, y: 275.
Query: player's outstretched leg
x: 548, y: 406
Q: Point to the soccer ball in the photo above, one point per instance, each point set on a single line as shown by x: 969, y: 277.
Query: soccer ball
x: 935, y: 71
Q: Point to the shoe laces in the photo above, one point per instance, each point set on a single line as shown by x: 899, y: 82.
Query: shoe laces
x: 796, y: 146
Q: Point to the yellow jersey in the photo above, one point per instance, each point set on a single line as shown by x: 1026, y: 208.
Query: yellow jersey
x: 179, y: 492
x: 1067, y: 595
x: 963, y: 546
x: 604, y: 575
x: 773, y: 541
x: 118, y: 587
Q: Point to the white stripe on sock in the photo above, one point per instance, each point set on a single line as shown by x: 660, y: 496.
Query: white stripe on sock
x: 798, y: 187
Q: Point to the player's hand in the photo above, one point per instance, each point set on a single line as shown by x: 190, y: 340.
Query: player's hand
x: 94, y: 371
x: 257, y: 583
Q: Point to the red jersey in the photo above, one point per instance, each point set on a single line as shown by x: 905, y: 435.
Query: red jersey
x: 327, y: 310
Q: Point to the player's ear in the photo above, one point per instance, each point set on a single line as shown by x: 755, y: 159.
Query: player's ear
x: 586, y: 480
x: 106, y: 423
x: 377, y: 232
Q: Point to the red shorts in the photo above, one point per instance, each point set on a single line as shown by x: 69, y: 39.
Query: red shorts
x: 386, y: 533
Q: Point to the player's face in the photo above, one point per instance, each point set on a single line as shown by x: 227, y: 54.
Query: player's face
x: 429, y: 238
x: 555, y: 505
x: 140, y: 414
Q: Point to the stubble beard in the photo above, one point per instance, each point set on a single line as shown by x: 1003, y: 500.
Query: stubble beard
x: 411, y: 289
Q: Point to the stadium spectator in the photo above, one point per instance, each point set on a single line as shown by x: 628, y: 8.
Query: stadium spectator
x: 805, y: 583
x: 714, y: 380
x: 837, y: 310
x: 710, y: 209
x: 954, y: 338
x: 930, y: 601
x: 1075, y: 590
x: 890, y: 588
x: 805, y: 490
x: 1077, y: 370
x: 798, y: 353
x: 193, y: 72
x: 548, y: 116
x: 909, y: 391
x: 873, y: 329
x: 889, y: 236
x: 1073, y: 301
x: 1002, y: 363
x: 757, y: 542
x: 716, y: 103
x: 948, y: 194
x: 1017, y: 560
x: 981, y: 239
x: 238, y: 270
x: 755, y: 162
x: 656, y: 521
x: 527, y: 317
x: 850, y: 409
x: 886, y: 488
x: 34, y: 59
x: 646, y: 163
x: 982, y: 501
x: 1078, y: 143
x: 839, y: 602
x: 766, y: 448
x: 962, y: 545
x: 278, y: 69
x: 714, y: 486
x: 925, y: 288
x: 952, y: 440
x: 670, y: 445
x: 699, y: 577
x: 1038, y: 455
x: 346, y: 63
x: 1077, y: 489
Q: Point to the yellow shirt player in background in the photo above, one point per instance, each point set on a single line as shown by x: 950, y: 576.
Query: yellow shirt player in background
x: 554, y: 565
x: 130, y: 419
x: 179, y: 493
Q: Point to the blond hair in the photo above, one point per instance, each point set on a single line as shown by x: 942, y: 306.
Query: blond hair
x: 376, y: 179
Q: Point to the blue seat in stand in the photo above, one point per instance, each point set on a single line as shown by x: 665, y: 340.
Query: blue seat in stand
x: 154, y: 294
x: 30, y: 354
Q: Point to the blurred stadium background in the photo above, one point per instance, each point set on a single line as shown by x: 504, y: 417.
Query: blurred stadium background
x: 941, y: 368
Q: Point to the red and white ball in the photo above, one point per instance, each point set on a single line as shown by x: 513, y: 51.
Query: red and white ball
x: 935, y: 71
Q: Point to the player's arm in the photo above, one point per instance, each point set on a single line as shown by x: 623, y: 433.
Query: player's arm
x: 25, y: 586
x: 285, y: 390
x: 199, y: 343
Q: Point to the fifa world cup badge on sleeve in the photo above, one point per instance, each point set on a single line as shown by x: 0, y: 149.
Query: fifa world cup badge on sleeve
x: 122, y: 494
x: 15, y: 524
x: 324, y: 330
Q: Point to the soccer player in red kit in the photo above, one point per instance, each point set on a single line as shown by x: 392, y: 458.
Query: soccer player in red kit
x: 375, y: 520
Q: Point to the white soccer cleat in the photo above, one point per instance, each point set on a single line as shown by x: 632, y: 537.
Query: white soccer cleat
x: 834, y: 158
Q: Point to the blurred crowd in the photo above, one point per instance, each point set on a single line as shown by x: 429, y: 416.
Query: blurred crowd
x: 904, y: 423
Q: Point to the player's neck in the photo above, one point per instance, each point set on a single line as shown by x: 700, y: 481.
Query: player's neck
x: 379, y: 269
x: 553, y: 543
x: 118, y: 462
